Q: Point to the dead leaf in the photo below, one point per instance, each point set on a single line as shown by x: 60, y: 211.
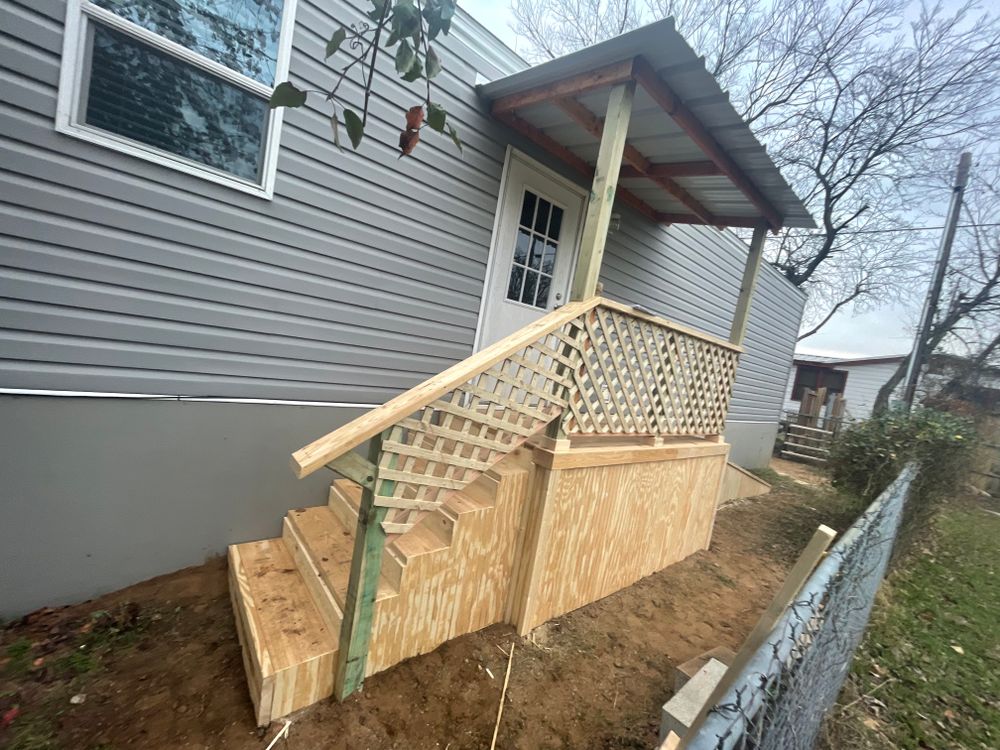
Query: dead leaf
x: 871, y: 724
x: 8, y: 718
x: 408, y: 140
x: 414, y: 117
x: 957, y: 649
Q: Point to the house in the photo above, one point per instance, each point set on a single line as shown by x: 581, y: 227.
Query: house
x: 858, y: 379
x: 193, y: 286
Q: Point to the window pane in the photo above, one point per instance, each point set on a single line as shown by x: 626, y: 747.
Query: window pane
x: 528, y: 209
x: 514, y: 285
x: 530, y: 280
x: 240, y: 34
x: 537, y: 248
x: 148, y: 96
x: 555, y: 225
x: 521, y: 248
x: 543, y: 291
x: 549, y: 260
x: 542, y: 217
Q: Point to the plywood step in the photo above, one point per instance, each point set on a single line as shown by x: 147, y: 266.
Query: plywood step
x: 327, y: 547
x: 802, y: 456
x: 288, y: 646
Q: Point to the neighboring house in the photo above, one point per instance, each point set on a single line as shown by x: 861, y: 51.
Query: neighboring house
x: 857, y: 378
x: 181, y: 314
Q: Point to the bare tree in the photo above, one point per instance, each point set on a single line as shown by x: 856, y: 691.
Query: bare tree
x: 847, y: 96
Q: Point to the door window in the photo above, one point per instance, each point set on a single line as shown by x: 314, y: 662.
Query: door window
x: 534, y: 258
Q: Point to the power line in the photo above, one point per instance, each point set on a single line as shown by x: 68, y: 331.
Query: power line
x: 917, y: 229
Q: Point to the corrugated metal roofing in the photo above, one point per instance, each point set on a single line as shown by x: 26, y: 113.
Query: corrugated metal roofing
x: 656, y: 135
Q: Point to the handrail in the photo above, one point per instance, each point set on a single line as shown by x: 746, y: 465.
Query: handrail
x: 321, y: 451
x: 600, y: 367
x: 635, y: 312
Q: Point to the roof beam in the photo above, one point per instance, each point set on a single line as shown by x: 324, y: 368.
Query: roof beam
x: 595, y: 126
x: 677, y: 169
x: 673, y: 106
x: 609, y: 75
x: 550, y: 144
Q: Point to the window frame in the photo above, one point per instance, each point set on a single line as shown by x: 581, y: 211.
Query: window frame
x: 80, y: 14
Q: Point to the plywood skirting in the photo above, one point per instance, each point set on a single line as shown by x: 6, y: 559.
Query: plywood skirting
x: 458, y: 589
x: 602, y: 528
x: 738, y: 482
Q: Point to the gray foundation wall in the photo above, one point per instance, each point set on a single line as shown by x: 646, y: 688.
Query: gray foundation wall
x: 100, y: 493
x: 751, y: 443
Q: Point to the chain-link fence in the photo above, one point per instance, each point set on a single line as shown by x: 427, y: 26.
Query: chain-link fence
x: 782, y: 695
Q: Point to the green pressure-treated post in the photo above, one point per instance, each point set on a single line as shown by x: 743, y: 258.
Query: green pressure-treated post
x: 362, y: 587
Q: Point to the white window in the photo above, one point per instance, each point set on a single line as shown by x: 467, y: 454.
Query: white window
x: 183, y: 83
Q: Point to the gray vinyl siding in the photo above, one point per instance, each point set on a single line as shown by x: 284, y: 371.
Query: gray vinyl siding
x: 361, y: 277
x: 692, y: 275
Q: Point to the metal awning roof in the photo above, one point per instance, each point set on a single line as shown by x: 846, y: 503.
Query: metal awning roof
x: 689, y: 157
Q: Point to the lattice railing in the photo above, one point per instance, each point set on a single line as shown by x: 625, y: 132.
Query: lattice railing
x: 449, y: 443
x: 603, y: 367
x: 640, y: 375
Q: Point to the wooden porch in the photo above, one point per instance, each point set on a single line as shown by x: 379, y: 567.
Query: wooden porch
x: 548, y: 470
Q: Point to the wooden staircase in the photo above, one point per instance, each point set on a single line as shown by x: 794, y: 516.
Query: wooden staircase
x: 289, y: 592
x: 426, y: 545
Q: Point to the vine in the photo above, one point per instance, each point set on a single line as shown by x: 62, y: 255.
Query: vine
x: 411, y: 26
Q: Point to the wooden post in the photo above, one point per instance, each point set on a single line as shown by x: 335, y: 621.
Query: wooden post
x: 362, y: 586
x: 742, y: 314
x: 602, y: 191
x: 537, y: 525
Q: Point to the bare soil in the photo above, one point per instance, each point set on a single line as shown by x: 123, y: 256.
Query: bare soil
x: 158, y: 664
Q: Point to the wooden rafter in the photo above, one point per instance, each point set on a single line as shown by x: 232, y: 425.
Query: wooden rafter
x: 676, y: 169
x: 600, y: 78
x: 550, y: 144
x: 662, y: 94
x: 595, y: 126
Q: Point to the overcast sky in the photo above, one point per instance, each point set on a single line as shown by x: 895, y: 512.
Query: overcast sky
x: 888, y: 330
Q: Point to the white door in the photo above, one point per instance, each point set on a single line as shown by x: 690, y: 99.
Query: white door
x: 535, y: 242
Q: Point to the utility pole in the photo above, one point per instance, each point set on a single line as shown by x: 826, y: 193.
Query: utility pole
x: 919, y: 353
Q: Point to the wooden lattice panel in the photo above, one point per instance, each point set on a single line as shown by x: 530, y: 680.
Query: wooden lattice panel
x: 638, y: 376
x: 447, y: 444
x: 600, y: 366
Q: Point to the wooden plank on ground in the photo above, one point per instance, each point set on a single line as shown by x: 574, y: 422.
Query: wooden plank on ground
x: 799, y: 574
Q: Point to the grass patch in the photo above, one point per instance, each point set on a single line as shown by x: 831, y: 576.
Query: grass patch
x: 18, y: 658
x: 928, y: 672
x: 767, y: 474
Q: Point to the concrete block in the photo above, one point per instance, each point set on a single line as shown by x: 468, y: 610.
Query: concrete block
x: 690, y: 668
x: 683, y: 707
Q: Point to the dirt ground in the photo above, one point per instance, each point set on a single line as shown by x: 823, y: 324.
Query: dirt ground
x: 157, y: 665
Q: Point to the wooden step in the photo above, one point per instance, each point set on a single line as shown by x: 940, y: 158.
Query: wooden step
x: 344, y: 500
x: 826, y: 433
x: 327, y: 546
x: 804, y: 457
x: 802, y: 447
x: 288, y: 647
x: 431, y: 534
